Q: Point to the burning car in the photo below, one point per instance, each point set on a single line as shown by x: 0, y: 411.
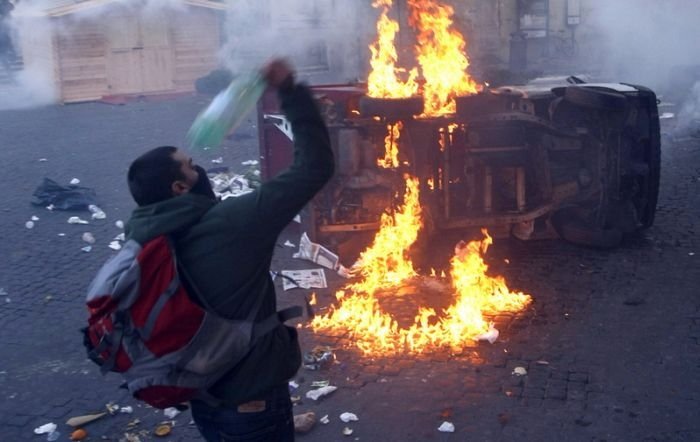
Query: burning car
x: 554, y: 157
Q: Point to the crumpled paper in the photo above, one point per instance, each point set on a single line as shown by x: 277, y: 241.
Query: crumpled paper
x: 320, y: 392
x: 491, y: 335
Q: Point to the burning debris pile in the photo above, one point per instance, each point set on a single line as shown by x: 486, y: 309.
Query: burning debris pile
x: 386, y: 266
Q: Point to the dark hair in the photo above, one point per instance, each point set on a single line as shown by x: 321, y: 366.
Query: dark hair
x: 152, y: 174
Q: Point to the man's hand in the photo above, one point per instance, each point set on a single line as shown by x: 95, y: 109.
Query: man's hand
x: 279, y: 74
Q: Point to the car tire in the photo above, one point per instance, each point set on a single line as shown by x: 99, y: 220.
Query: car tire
x: 646, y: 218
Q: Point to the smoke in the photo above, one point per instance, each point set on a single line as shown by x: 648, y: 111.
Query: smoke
x: 644, y: 40
x: 327, y: 40
x: 32, y: 82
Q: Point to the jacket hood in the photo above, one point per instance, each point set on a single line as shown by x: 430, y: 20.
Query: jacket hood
x: 166, y: 217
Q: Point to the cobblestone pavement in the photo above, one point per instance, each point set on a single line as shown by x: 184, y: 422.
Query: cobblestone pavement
x: 611, y: 342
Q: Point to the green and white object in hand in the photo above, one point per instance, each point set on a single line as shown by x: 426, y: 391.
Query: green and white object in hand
x: 226, y: 111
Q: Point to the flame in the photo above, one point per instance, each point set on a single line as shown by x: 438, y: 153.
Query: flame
x: 384, y: 80
x: 386, y: 264
x: 391, y: 147
x: 441, y: 53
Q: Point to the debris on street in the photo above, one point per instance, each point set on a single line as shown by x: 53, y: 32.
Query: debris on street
x: 491, y: 335
x: 349, y: 417
x: 115, y: 245
x: 347, y: 431
x: 77, y: 220
x: 171, y: 412
x: 313, y: 252
x: 79, y: 421
x: 325, y: 420
x: 163, y: 430
x: 29, y: 225
x: 227, y: 185
x: 75, y: 181
x: 305, y: 279
x: 97, y: 213
x: 78, y: 434
x: 219, y: 160
x: 119, y: 223
x: 446, y: 427
x: 126, y: 410
x: 289, y: 244
x: 51, y: 194
x: 320, y: 392
x: 519, y: 371
x: 303, y: 423
x: 318, y: 358
x: 88, y: 238
x: 46, y: 428
x: 87, y: 249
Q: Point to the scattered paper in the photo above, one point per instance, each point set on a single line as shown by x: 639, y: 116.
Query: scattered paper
x: 119, y: 223
x: 667, y: 116
x: 316, y: 253
x: 43, y: 160
x: 219, y: 160
x: 171, y: 412
x: 347, y: 431
x: 76, y: 220
x: 35, y: 218
x: 87, y: 249
x: 250, y: 163
x: 446, y: 427
x: 227, y: 185
x: 97, y: 213
x: 297, y: 219
x: 305, y: 279
x: 46, y: 428
x: 115, y: 245
x: 320, y: 392
x: 89, y: 238
x: 75, y: 181
x: 29, y: 224
x: 345, y: 272
x: 324, y: 420
x: 126, y: 410
x: 349, y: 417
x: 289, y: 244
x: 294, y: 384
x: 519, y: 371
x: 120, y: 237
x: 491, y: 335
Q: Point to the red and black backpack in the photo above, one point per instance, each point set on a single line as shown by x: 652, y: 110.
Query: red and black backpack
x: 144, y: 324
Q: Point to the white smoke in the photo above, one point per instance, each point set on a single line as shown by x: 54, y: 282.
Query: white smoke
x: 35, y: 84
x: 643, y: 40
x: 326, y: 40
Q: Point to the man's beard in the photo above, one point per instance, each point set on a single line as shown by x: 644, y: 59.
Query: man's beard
x: 203, y: 185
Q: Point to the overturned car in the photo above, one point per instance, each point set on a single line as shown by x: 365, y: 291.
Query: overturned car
x: 554, y: 157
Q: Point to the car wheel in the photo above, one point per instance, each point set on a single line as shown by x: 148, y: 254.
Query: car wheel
x: 646, y: 218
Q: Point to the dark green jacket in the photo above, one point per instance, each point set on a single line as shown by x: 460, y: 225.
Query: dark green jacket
x: 227, y: 247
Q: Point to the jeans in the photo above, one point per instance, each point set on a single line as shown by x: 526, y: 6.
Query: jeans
x: 269, y: 419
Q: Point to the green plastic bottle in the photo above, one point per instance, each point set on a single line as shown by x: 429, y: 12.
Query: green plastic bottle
x: 226, y: 111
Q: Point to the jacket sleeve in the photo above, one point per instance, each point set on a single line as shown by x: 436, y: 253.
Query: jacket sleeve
x: 279, y: 200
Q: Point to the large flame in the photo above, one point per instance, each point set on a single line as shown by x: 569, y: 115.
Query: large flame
x: 386, y: 264
x: 384, y: 80
x: 441, y: 53
x: 391, y: 147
